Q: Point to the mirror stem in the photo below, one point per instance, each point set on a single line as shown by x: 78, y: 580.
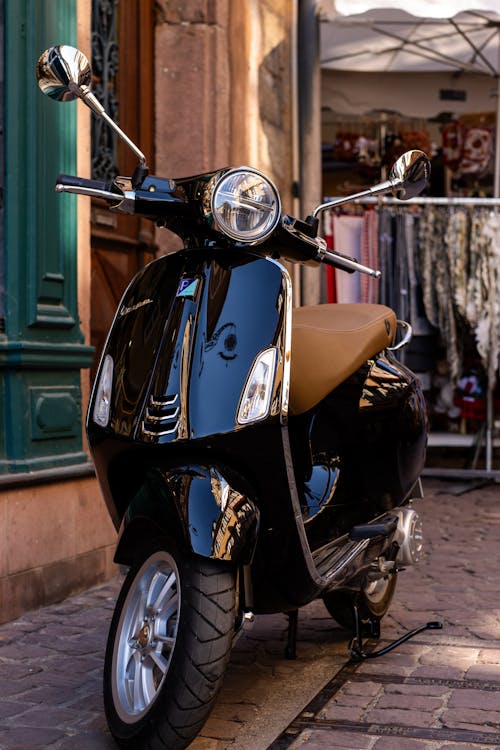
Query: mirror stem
x: 382, y: 187
x: 90, y: 100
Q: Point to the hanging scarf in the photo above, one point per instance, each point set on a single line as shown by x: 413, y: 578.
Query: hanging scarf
x: 483, y: 290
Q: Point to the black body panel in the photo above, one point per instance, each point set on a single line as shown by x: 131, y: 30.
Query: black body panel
x: 367, y: 443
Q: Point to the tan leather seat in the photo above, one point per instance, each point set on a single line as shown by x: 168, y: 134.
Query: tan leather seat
x: 329, y: 343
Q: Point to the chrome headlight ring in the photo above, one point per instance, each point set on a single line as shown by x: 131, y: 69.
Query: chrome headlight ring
x: 245, y: 205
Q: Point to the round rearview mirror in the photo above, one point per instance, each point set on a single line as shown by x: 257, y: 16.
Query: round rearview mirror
x: 412, y: 170
x: 64, y: 73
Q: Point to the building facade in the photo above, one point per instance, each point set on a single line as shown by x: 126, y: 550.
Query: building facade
x: 201, y: 84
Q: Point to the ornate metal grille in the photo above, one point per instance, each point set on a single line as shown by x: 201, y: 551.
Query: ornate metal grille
x: 104, y: 69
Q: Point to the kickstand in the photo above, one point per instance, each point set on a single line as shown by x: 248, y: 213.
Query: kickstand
x: 291, y: 635
x: 372, y: 629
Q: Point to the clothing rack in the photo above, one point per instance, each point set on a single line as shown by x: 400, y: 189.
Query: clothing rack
x: 457, y: 201
x: 481, y: 475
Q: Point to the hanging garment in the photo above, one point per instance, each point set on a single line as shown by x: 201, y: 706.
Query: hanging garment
x: 437, y: 281
x: 483, y: 289
x: 347, y: 240
x: 369, y: 256
x: 331, y: 284
x: 386, y: 256
x: 401, y: 305
x: 457, y: 239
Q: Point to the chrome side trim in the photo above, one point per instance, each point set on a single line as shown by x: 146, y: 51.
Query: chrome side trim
x: 161, y: 420
x: 406, y: 338
x: 166, y: 414
x: 287, y: 342
x: 331, y: 560
x: 159, y: 403
x: 152, y: 433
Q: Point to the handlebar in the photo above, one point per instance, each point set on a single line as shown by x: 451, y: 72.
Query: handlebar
x: 126, y: 200
x: 67, y: 183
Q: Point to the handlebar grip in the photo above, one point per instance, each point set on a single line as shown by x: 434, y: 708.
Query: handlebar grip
x: 337, y: 262
x: 333, y: 258
x: 79, y: 182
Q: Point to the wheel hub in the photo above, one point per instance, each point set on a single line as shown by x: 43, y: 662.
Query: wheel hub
x: 143, y: 637
x: 144, y: 640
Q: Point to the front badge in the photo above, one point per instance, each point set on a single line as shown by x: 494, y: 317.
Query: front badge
x: 187, y: 288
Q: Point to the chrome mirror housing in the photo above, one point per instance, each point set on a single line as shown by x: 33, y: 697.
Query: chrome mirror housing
x: 64, y: 73
x: 410, y: 173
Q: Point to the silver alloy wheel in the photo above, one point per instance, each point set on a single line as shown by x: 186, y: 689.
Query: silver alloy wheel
x: 145, y: 637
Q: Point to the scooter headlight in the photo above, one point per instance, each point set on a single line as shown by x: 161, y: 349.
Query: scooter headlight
x: 102, y: 404
x: 245, y: 205
x: 256, y: 398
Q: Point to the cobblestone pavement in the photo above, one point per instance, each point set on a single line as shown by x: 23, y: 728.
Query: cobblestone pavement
x: 439, y: 691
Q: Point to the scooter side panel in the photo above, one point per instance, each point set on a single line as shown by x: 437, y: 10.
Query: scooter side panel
x: 367, y: 442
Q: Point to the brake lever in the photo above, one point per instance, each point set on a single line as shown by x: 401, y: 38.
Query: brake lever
x: 88, y: 191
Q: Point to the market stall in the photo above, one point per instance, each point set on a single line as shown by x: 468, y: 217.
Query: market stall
x: 393, y: 81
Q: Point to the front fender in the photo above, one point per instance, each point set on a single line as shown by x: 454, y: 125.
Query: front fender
x: 196, y: 508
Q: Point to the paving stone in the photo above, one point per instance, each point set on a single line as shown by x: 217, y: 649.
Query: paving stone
x: 475, y: 699
x: 362, y: 688
x: 11, y: 708
x: 490, y: 672
x: 89, y: 741
x: 51, y: 660
x: 34, y: 738
x: 48, y: 717
x: 409, y: 702
x: 316, y: 740
x: 401, y: 743
x: 472, y: 718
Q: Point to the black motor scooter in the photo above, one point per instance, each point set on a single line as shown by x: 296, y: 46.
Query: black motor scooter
x: 254, y: 456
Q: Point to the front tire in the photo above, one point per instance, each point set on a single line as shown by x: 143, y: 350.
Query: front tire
x: 168, y: 646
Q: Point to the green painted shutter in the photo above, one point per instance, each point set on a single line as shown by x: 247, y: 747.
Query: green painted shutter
x: 42, y: 349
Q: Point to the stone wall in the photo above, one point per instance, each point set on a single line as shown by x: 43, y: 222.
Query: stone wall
x: 223, y: 88
x: 55, y: 539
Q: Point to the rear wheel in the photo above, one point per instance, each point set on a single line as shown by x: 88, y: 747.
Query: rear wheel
x: 373, y: 600
x: 168, y: 646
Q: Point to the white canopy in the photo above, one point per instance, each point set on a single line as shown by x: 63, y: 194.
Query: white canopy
x: 426, y: 8
x: 383, y: 35
x: 458, y: 37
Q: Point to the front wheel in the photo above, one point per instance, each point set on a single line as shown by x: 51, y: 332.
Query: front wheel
x: 373, y: 601
x: 169, y: 642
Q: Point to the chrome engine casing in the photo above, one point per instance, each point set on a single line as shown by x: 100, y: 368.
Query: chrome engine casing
x: 409, y: 536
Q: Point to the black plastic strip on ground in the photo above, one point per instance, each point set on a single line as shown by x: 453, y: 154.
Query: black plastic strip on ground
x: 467, y: 736
x: 396, y: 679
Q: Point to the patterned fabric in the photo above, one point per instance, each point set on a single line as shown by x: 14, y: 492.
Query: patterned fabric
x: 445, y: 259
